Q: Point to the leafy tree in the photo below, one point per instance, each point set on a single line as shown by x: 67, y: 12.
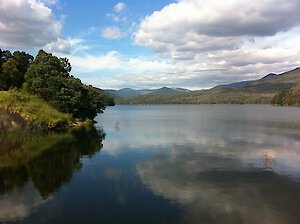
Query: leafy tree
x: 6, y: 55
x: 1, y: 77
x: 10, y: 74
x: 4, y: 79
x: 49, y: 78
x: 13, y: 69
x: 0, y: 62
x: 23, y: 60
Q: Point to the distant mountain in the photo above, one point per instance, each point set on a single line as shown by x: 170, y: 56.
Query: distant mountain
x: 169, y: 91
x: 271, y: 75
x: 123, y: 93
x: 256, y: 91
x: 128, y: 92
x: 236, y: 84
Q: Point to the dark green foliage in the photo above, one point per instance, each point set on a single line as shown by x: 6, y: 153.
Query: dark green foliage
x: 109, y: 100
x: 13, y: 69
x: 22, y: 60
x: 10, y: 74
x: 0, y: 62
x: 49, y: 78
x: 5, y: 56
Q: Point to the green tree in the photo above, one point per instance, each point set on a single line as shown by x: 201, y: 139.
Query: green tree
x: 0, y: 61
x: 13, y: 69
x: 23, y: 60
x: 6, y: 55
x: 49, y: 78
x: 4, y: 78
x: 1, y: 77
x: 10, y: 74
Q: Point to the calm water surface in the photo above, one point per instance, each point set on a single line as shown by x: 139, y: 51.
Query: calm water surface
x: 158, y: 164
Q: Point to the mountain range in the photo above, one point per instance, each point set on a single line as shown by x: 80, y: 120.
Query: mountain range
x: 255, y: 91
x: 128, y: 92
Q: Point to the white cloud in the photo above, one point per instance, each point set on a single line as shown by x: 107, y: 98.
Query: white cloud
x: 112, y: 33
x: 95, y: 63
x: 27, y: 23
x: 119, y: 7
x: 206, y: 69
x: 119, y: 14
x: 219, y: 42
x: 195, y: 22
x: 63, y: 46
x: 117, y: 18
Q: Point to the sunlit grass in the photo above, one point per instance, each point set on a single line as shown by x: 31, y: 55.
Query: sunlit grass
x: 32, y: 108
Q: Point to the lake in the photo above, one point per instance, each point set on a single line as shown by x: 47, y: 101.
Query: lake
x: 158, y: 164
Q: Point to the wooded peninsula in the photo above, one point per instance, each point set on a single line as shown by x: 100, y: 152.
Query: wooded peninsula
x: 42, y: 91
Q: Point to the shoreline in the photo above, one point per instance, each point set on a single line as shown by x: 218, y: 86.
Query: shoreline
x: 13, y: 121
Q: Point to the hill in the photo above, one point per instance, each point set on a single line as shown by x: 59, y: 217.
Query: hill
x: 128, y: 92
x: 260, y: 91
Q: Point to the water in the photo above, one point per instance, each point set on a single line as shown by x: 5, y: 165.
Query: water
x: 158, y: 164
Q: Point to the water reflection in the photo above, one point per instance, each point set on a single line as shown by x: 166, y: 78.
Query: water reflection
x: 33, y: 166
x: 219, y: 164
x: 213, y: 188
x: 159, y: 164
x: 263, y: 137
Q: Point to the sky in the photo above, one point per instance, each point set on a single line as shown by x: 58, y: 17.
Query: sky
x: 193, y: 44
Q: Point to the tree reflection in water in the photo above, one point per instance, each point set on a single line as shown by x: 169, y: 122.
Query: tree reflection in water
x: 48, y: 160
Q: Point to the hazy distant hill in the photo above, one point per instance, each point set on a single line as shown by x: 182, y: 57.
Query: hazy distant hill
x: 256, y: 91
x: 128, y: 92
x: 123, y: 93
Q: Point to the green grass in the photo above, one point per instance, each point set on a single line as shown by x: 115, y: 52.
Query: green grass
x: 32, y: 108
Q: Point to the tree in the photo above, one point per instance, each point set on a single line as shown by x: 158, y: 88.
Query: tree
x: 13, y: 69
x: 23, y: 60
x: 10, y: 75
x: 49, y: 78
x: 0, y: 62
x: 4, y: 79
x: 6, y: 55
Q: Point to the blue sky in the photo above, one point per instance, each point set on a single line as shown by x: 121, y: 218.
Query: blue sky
x: 148, y: 44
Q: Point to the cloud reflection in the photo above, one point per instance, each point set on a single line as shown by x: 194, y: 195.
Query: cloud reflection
x: 212, y: 188
x: 18, y: 204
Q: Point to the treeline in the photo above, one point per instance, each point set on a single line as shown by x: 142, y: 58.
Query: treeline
x: 290, y: 97
x: 48, y: 77
x: 282, y: 89
x: 224, y: 96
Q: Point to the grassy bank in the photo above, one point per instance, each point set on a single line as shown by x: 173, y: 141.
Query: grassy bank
x: 32, y: 109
